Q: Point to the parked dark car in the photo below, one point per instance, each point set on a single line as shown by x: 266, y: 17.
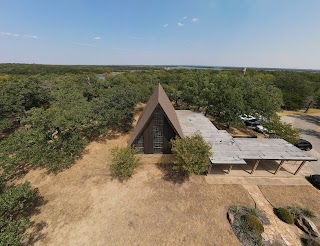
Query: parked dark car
x: 252, y: 122
x: 315, y: 180
x: 304, y: 145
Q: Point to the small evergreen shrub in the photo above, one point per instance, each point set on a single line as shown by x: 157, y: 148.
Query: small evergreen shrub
x: 254, y: 223
x: 285, y: 215
x: 123, y: 162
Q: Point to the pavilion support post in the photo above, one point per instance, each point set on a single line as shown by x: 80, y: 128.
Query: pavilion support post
x: 229, y: 170
x: 210, y: 168
x: 278, y: 168
x: 301, y: 165
x: 255, y: 166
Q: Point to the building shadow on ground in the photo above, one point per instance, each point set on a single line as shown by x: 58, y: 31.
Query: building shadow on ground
x: 169, y: 173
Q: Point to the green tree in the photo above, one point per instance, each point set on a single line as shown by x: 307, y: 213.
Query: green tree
x: 295, y: 88
x: 282, y: 130
x: 17, y: 95
x: 191, y: 154
x: 228, y: 101
x: 261, y: 96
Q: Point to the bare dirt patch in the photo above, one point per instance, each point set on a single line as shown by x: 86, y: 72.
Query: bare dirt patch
x: 304, y: 196
x: 84, y: 206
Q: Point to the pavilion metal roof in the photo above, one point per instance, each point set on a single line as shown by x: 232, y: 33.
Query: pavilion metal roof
x: 229, y: 150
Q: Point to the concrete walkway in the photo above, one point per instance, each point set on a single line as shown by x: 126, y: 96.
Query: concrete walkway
x: 277, y: 231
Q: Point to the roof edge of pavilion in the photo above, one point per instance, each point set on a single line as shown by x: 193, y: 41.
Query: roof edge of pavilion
x: 229, y: 150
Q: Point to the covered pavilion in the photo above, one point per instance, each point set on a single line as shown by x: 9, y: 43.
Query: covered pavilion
x: 236, y: 151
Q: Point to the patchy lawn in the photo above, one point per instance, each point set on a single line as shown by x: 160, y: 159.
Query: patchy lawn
x: 302, y: 196
x: 85, y: 207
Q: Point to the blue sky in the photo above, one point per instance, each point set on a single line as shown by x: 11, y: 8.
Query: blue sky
x: 259, y: 33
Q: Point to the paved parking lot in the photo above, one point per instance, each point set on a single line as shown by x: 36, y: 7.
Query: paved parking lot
x: 309, y: 126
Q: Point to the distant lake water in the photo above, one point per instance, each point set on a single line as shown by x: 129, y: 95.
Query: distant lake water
x: 101, y: 76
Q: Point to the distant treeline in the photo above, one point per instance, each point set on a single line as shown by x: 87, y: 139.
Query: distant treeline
x: 299, y: 89
x: 39, y: 69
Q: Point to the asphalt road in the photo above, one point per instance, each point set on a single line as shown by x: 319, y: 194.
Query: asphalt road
x: 309, y: 126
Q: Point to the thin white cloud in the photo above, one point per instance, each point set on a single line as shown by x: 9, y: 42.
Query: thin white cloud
x: 185, y: 17
x: 179, y: 24
x: 83, y: 44
x: 135, y: 37
x: 17, y: 35
x: 194, y: 20
x: 166, y: 25
x: 97, y: 38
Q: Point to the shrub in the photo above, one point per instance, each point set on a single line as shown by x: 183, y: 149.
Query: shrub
x: 307, y: 212
x: 245, y: 234
x: 254, y: 211
x: 123, y: 162
x: 285, y: 215
x: 254, y: 223
x: 298, y: 211
x: 236, y: 209
x: 191, y: 154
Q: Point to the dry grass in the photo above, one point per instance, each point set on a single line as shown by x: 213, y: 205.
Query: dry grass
x: 304, y: 196
x: 301, y: 111
x: 84, y: 206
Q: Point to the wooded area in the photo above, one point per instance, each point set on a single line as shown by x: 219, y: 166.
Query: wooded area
x: 47, y: 120
x: 48, y: 114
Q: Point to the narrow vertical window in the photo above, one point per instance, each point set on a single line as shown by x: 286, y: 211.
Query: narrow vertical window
x: 158, y: 119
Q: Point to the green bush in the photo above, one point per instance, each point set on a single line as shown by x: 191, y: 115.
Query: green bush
x: 123, y: 162
x: 191, y: 154
x: 254, y: 223
x: 285, y: 215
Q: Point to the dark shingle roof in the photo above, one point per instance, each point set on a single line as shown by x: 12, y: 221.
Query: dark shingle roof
x: 158, y: 97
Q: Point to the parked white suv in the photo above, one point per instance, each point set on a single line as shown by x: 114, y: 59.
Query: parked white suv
x: 245, y: 117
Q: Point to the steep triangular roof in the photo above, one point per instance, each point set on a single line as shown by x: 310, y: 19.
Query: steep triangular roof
x: 158, y: 97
